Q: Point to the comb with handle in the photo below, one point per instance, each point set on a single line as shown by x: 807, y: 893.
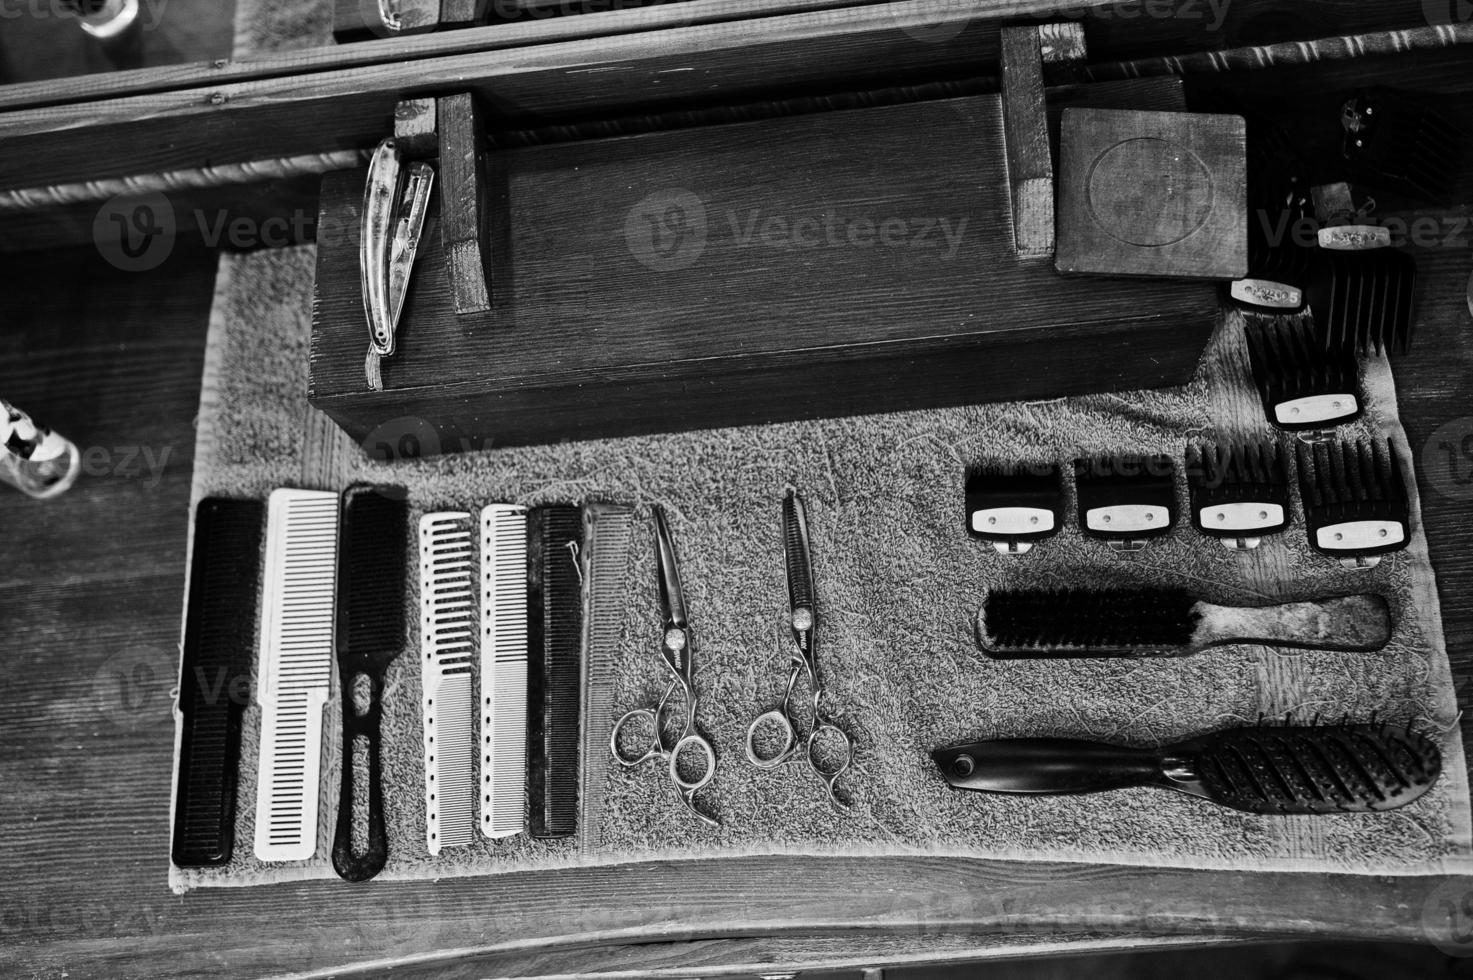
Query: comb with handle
x: 370, y: 635
x: 218, y: 632
x: 295, y: 669
x: 503, y: 669
x: 555, y: 536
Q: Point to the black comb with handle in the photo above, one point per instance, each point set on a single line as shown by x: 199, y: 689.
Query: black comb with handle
x: 1269, y: 769
x: 372, y: 565
x: 554, y: 669
x: 219, y: 635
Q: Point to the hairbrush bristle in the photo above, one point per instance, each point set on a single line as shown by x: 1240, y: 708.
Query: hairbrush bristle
x: 1287, y: 769
x: 1291, y: 360
x: 1076, y: 619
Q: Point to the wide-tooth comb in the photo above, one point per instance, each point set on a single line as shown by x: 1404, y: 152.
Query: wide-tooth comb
x: 371, y: 583
x: 1240, y: 492
x: 1125, y: 500
x: 1305, y: 385
x: 1280, y: 212
x: 1052, y: 624
x: 219, y: 629
x: 1395, y: 142
x: 295, y: 669
x: 555, y: 649
x: 504, y: 604
x: 607, y: 533
x: 1016, y: 508
x: 447, y: 593
x: 1355, y: 500
x: 1267, y: 769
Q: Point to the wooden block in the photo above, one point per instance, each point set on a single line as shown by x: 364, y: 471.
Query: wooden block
x: 463, y: 13
x: 415, y: 131
x: 363, y: 20
x: 1025, y: 133
x: 1153, y: 194
x: 465, y: 220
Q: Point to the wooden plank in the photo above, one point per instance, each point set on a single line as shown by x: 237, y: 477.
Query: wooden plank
x: 416, y: 129
x: 1025, y: 134
x: 465, y: 207
x: 463, y: 13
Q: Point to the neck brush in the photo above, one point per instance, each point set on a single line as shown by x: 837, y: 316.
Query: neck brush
x: 1077, y: 623
x: 1268, y: 769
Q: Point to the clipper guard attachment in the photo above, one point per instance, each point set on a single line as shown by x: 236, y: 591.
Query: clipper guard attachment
x: 1016, y: 508
x: 1355, y: 501
x: 1240, y: 493
x: 1126, y: 500
x: 1280, y: 220
x: 1307, y: 386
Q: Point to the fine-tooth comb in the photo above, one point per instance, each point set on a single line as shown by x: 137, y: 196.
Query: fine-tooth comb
x: 504, y: 603
x: 1307, y: 387
x: 1268, y: 769
x: 1125, y: 500
x: 1280, y: 213
x: 219, y: 629
x: 1355, y: 500
x: 607, y: 531
x: 1240, y: 493
x: 1396, y: 142
x: 372, y: 566
x: 295, y: 669
x: 555, y: 657
x: 447, y: 591
x: 1064, y: 623
x: 1014, y: 509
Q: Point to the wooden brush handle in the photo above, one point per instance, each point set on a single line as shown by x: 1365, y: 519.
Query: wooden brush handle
x: 1353, y: 622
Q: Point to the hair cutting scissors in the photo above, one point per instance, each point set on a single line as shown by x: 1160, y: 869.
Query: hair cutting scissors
x: 802, y: 618
x: 678, y: 648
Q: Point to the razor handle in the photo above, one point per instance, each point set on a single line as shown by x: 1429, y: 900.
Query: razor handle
x: 361, y: 734
x: 1047, y: 765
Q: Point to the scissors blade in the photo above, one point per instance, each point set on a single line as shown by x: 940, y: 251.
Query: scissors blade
x: 672, y: 597
x: 799, y: 559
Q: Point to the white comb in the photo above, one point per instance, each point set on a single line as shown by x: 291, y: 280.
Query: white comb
x: 447, y: 590
x: 295, y: 669
x: 503, y: 669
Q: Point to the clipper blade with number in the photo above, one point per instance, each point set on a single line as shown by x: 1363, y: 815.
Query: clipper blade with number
x: 1014, y: 509
x: 1395, y: 141
x: 1126, y: 500
x: 1355, y: 500
x: 1307, y: 387
x: 1240, y: 493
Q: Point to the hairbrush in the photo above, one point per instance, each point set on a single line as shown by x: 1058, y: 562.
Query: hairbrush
x: 1355, y: 500
x: 1395, y: 141
x: 1016, y: 508
x: 1124, y: 500
x: 1139, y: 622
x: 1240, y: 493
x: 1306, y: 387
x: 1268, y: 769
x: 1280, y: 213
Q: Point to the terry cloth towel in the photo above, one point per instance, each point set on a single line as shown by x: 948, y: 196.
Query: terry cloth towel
x: 898, y: 584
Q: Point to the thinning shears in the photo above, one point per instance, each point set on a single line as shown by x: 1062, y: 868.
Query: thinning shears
x: 802, y: 619
x: 678, y: 648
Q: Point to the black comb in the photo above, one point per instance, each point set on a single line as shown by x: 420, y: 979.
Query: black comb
x: 1016, y: 508
x: 1240, y: 493
x: 1355, y: 500
x: 1268, y: 769
x: 554, y: 668
x: 1305, y: 385
x: 372, y: 565
x: 1140, y: 622
x: 1396, y: 142
x: 1125, y: 500
x: 219, y: 630
x: 1280, y: 224
x: 1363, y: 298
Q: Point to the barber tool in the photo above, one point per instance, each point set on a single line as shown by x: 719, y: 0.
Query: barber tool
x: 447, y: 596
x: 1077, y: 623
x: 372, y: 564
x: 214, y: 674
x: 1014, y: 509
x: 607, y: 529
x: 1280, y: 215
x: 678, y: 650
x: 1240, y: 492
x: 503, y: 669
x: 1355, y: 500
x: 803, y: 621
x: 554, y: 667
x: 33, y: 459
x: 1362, y: 288
x: 1395, y: 141
x: 1126, y: 500
x: 1307, y: 387
x: 395, y: 200
x: 1269, y: 769
x: 294, y: 672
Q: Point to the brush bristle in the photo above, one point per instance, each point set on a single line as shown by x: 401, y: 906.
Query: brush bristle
x: 371, y: 575
x: 1351, y: 481
x: 1314, y: 769
x: 1023, y: 622
x: 1291, y: 360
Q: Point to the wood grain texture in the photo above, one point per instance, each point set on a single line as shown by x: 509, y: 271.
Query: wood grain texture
x: 416, y: 127
x: 363, y: 20
x: 1025, y: 134
x: 463, y: 13
x: 465, y: 203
